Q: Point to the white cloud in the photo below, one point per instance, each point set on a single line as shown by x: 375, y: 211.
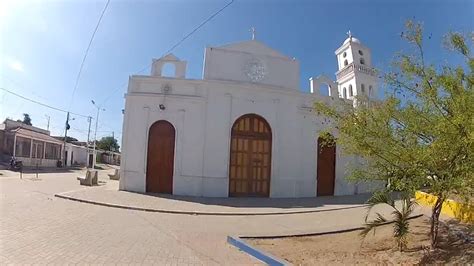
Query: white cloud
x: 17, y: 65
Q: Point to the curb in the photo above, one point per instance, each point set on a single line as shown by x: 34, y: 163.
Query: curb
x: 112, y: 205
x: 351, y: 229
x: 255, y: 252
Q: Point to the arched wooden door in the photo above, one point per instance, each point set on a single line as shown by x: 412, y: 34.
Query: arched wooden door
x: 326, y: 172
x: 160, y: 158
x: 250, y: 157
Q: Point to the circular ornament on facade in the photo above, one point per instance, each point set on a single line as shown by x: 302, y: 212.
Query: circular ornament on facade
x: 255, y: 70
x: 166, y: 88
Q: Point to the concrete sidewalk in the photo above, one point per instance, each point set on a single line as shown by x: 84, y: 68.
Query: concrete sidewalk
x: 109, y: 195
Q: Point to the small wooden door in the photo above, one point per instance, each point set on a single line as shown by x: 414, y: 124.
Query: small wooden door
x: 326, y: 171
x: 160, y: 158
x: 250, y: 157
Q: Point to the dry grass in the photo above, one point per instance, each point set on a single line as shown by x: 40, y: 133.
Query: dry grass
x: 378, y: 248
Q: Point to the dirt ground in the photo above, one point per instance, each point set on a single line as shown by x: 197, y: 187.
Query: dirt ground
x: 350, y: 248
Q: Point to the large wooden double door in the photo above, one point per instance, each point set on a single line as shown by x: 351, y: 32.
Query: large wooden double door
x: 250, y: 157
x: 160, y: 158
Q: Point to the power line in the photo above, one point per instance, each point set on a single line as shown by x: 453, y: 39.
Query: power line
x: 40, y: 103
x: 87, y: 52
x: 175, y: 45
x: 198, y: 27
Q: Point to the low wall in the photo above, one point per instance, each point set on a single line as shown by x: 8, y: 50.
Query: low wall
x: 41, y: 162
x: 460, y: 211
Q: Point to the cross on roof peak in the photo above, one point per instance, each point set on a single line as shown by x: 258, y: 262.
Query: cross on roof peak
x: 254, y: 32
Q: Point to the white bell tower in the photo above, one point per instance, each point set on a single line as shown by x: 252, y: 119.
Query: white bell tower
x: 355, y: 75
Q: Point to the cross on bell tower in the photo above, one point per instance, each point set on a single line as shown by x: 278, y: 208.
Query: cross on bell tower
x: 349, y: 34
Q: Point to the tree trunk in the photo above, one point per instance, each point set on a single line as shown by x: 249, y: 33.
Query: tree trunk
x: 436, y: 211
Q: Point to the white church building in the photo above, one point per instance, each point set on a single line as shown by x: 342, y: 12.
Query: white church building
x: 245, y: 129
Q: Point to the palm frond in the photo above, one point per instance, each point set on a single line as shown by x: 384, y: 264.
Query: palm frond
x: 378, y: 197
x: 400, y: 215
x: 381, y: 197
x: 402, y: 223
x: 372, y: 225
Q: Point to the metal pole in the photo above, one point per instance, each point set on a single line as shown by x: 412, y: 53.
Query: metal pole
x: 89, y: 119
x: 14, y: 146
x: 64, y: 142
x: 95, y: 138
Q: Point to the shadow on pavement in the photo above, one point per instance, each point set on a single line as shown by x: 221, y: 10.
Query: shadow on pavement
x: 45, y: 170
x: 267, y: 202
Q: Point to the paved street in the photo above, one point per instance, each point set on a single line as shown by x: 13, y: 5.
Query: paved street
x: 37, y: 227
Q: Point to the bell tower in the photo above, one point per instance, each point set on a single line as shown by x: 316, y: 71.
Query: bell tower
x: 355, y: 75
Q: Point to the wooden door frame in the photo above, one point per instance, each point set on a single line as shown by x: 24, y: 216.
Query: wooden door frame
x: 174, y: 152
x: 251, y: 137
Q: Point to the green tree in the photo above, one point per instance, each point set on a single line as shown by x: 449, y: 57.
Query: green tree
x: 421, y: 135
x: 26, y: 119
x: 108, y: 144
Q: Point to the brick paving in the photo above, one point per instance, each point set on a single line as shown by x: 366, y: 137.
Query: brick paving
x: 36, y: 227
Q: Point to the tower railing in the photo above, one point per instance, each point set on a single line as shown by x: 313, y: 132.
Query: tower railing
x: 353, y: 68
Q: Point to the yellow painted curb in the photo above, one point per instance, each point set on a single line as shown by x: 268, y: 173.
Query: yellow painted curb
x: 460, y: 211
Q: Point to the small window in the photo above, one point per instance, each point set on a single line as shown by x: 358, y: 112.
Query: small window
x: 351, y: 93
x: 362, y: 88
x: 362, y: 61
x: 370, y: 90
x: 360, y: 52
x: 345, y: 62
x: 344, y: 54
x: 344, y: 93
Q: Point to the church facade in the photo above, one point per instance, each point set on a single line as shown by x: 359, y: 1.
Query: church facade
x: 244, y: 129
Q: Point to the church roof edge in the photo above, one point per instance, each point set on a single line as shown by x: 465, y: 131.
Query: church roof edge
x: 249, y: 44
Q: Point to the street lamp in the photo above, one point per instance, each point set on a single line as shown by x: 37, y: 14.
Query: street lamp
x: 95, y: 133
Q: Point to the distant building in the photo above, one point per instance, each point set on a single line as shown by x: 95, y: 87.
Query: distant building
x: 108, y: 157
x: 33, y: 146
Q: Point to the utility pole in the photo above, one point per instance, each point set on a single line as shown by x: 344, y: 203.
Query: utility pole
x: 47, y: 117
x: 89, y: 119
x: 95, y: 133
x: 113, y: 138
x: 63, y: 159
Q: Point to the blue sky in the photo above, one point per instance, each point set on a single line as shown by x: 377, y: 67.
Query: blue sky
x: 42, y: 44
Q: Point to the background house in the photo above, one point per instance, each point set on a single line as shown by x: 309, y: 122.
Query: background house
x: 76, y: 155
x: 33, y: 146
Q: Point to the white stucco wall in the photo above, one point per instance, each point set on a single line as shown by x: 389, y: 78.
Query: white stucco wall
x: 77, y: 153
x: 228, y: 63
